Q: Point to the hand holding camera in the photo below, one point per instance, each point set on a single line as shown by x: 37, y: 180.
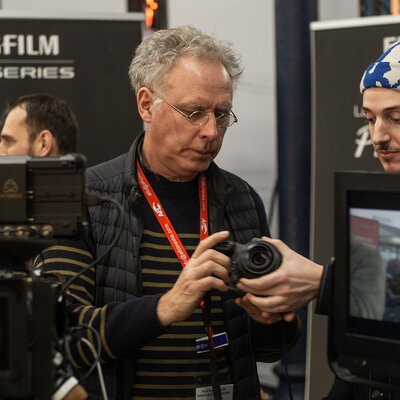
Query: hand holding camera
x: 251, y: 260
x: 206, y: 270
x: 288, y: 287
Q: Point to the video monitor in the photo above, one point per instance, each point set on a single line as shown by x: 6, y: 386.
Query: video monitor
x: 364, y: 325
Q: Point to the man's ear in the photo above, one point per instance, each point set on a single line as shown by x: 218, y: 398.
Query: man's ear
x: 44, y: 144
x: 144, y: 100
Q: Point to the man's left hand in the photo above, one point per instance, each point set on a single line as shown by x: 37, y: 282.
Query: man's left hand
x: 260, y: 316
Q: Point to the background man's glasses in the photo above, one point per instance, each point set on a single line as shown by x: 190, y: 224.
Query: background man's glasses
x: 198, y: 118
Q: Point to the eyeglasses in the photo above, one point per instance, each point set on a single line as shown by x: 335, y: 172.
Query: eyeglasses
x: 198, y: 118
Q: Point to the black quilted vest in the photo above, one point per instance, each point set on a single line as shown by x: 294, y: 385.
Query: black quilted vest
x: 118, y: 276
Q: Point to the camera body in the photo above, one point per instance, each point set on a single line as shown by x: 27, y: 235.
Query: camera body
x: 251, y: 260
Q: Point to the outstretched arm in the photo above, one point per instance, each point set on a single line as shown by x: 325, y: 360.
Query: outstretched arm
x: 295, y: 283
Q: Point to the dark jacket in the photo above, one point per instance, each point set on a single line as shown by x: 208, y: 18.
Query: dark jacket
x: 232, y: 206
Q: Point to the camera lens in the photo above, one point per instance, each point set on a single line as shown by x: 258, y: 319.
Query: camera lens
x: 259, y: 258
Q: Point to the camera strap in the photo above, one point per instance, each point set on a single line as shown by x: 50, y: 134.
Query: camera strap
x: 183, y: 256
x: 206, y: 308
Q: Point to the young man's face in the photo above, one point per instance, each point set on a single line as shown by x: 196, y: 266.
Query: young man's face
x: 14, y: 137
x: 382, y: 109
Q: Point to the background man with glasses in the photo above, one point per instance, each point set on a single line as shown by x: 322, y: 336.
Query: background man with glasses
x: 158, y: 296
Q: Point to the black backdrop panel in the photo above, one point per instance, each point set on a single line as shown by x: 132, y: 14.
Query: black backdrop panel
x: 83, y: 60
x: 341, y: 51
x: 340, y: 132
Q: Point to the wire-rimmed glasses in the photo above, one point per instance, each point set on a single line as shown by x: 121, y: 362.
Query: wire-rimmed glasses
x: 198, y: 118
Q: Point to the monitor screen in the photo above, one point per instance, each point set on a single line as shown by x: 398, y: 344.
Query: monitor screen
x: 364, y: 323
x: 374, y: 271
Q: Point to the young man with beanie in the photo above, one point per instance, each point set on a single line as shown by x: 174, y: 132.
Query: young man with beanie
x: 289, y: 287
x: 380, y: 87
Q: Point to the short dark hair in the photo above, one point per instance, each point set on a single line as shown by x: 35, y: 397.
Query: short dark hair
x: 45, y: 111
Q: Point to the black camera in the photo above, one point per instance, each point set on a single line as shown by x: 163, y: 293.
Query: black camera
x: 251, y: 260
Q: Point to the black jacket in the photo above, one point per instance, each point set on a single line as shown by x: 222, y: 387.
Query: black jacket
x: 233, y: 206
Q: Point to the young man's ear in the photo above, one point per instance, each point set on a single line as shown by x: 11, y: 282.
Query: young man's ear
x: 44, y: 144
x: 144, y: 100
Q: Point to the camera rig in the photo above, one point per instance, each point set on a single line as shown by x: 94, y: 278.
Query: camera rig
x: 41, y: 199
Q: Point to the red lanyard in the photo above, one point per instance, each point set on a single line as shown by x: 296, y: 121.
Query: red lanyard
x: 163, y: 219
x: 182, y: 254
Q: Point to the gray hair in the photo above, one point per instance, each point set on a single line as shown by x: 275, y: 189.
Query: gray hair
x: 158, y: 53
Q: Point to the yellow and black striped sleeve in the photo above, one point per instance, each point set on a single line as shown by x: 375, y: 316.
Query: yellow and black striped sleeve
x: 123, y: 327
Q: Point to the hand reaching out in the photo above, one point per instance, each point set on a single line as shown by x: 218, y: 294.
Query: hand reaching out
x: 261, y: 316
x: 291, y: 286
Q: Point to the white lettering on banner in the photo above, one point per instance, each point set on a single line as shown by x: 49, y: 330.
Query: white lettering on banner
x: 32, y: 72
x: 358, y: 112
x: 24, y: 52
x: 30, y: 45
x: 362, y: 141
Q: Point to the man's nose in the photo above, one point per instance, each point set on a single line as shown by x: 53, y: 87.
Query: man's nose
x: 380, y: 133
x: 210, y: 128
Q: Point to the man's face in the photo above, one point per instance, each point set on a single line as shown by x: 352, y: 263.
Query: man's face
x: 382, y: 109
x: 14, y: 138
x: 173, y: 147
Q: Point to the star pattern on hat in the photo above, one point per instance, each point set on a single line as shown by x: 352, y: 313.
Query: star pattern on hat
x: 385, y: 71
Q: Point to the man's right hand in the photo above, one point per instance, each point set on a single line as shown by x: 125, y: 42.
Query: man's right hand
x: 207, y: 269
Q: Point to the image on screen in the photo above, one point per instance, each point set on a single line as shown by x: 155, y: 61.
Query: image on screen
x: 374, y: 269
